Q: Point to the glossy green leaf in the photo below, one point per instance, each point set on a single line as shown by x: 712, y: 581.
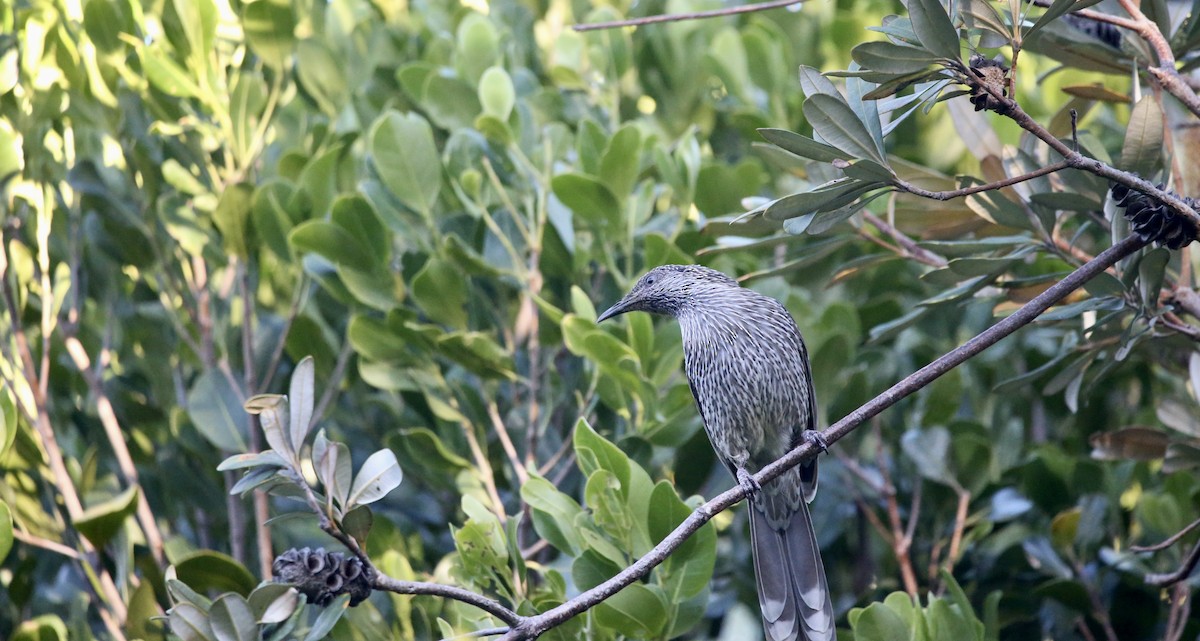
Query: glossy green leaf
x: 1142, y: 150
x: 217, y: 412
x: 232, y: 619
x: 209, y: 570
x: 189, y: 622
x: 933, y: 27
x: 404, y: 156
x: 273, y: 602
x: 442, y: 292
x: 803, y: 146
x: 638, y: 610
x: 333, y: 243
x: 270, y: 27
x: 167, y: 75
x: 301, y: 395
x: 892, y: 58
x: 620, y: 164
x: 6, y: 530
x: 589, y: 198
x: 496, y: 93
x: 837, y: 124
x: 232, y: 216
x: 320, y: 75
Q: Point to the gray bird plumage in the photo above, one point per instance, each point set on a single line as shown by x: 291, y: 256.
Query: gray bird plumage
x: 749, y: 372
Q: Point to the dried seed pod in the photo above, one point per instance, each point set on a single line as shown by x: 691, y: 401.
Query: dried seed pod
x: 988, y: 74
x: 321, y: 575
x: 1152, y: 221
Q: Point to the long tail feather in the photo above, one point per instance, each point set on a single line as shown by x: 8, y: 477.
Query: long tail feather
x: 792, y: 589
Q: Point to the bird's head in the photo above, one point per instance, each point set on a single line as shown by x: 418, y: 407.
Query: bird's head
x: 669, y: 289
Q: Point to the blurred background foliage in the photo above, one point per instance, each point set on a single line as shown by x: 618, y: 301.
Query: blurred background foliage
x: 432, y: 198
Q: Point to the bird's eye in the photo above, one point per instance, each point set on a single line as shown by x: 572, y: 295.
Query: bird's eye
x: 649, y: 280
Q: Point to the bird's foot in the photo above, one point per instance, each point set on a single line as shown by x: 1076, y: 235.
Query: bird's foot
x: 815, y: 437
x: 746, y: 480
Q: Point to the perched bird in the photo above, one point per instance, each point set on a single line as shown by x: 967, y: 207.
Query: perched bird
x: 749, y: 373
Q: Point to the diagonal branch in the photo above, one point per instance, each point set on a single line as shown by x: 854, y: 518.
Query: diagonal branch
x: 531, y: 627
x: 676, y: 17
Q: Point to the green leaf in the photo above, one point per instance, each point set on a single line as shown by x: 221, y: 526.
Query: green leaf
x: 100, y: 522
x: 589, y: 198
x: 403, y: 154
x: 950, y: 623
x: 301, y: 392
x: 102, y: 22
x: 689, y: 569
x: 933, y: 27
x: 892, y: 58
x: 6, y: 530
x: 836, y: 123
x: 357, y: 523
x: 442, y: 292
x: 878, y: 622
x: 333, y: 243
x: 8, y: 422
x: 356, y: 215
x: 929, y: 449
x: 827, y: 197
x: 328, y: 618
x: 321, y: 75
x: 1142, y: 150
x: 379, y: 474
x: 638, y: 611
x: 1056, y: 9
x: 187, y: 621
x: 270, y: 27
x: 232, y: 620
x: 594, y: 452
x: 496, y: 93
x: 217, y: 413
x: 168, y: 76
x: 273, y: 602
x: 208, y: 570
x: 272, y: 219
x: 554, y: 514
x: 478, y: 46
x: 621, y: 162
x: 803, y: 146
x: 269, y: 458
x: 232, y: 215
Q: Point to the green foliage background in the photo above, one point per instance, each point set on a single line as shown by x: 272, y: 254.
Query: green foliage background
x: 432, y: 198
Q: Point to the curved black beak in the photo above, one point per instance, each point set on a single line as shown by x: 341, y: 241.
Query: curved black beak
x: 616, y: 310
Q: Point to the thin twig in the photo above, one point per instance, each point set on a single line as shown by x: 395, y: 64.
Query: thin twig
x: 900, y: 544
x: 911, y: 248
x: 1181, y: 573
x: 676, y: 17
x: 486, y: 474
x: 116, y: 439
x: 506, y: 442
x: 298, y: 298
x: 960, y: 522
x: 1099, y: 612
x: 1171, y: 540
x: 46, y: 544
x: 262, y: 530
x: 975, y: 189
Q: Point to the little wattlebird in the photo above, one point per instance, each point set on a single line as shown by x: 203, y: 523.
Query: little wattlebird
x: 748, y: 370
